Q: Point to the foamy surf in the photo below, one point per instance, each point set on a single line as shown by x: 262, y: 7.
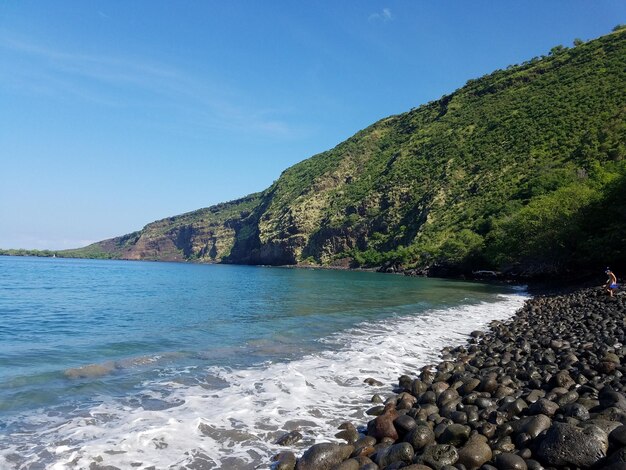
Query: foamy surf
x: 232, y: 418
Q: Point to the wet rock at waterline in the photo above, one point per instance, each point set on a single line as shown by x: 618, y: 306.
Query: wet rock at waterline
x: 289, y: 438
x: 324, y: 456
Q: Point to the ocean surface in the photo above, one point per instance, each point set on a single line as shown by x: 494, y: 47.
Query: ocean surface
x: 184, y: 366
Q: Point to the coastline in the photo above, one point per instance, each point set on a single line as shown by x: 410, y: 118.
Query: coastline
x: 229, y: 412
x: 545, y: 389
x: 537, y: 283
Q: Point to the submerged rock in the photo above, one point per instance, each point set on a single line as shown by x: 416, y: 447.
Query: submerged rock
x: 348, y: 432
x: 289, y: 438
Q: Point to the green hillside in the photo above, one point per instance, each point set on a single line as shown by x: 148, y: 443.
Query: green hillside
x: 521, y: 170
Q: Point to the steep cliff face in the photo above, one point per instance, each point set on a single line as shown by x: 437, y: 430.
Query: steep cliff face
x: 205, y: 235
x: 449, y: 183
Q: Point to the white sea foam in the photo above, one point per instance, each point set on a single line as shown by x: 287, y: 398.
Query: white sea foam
x: 236, y: 426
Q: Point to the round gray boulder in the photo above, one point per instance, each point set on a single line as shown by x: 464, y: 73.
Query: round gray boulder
x: 565, y: 444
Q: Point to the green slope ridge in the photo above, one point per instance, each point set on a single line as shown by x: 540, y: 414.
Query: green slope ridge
x: 522, y: 169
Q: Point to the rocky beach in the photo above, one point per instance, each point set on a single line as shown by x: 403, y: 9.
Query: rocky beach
x: 545, y: 390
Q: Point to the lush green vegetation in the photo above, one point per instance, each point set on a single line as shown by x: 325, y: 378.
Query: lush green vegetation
x: 523, y: 170
x: 23, y: 252
x: 92, y: 251
x: 505, y: 172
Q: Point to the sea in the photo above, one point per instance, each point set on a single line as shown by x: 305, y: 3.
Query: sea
x: 148, y: 365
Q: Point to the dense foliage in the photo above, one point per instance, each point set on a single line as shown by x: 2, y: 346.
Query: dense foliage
x: 513, y: 170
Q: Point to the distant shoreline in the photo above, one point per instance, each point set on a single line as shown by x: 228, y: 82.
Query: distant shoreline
x: 536, y: 285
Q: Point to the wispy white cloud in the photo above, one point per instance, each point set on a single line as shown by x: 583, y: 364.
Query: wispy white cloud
x: 130, y: 82
x: 384, y: 15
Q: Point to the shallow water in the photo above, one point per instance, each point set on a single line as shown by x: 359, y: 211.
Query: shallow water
x: 138, y: 364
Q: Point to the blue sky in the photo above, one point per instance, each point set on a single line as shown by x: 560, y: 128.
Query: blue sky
x: 114, y: 113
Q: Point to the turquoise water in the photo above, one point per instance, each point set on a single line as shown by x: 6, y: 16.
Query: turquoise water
x: 78, y: 336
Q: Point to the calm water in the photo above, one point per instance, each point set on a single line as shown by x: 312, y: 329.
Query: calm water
x: 197, y: 366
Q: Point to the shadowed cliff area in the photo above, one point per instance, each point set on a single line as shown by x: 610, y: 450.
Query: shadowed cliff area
x: 521, y: 170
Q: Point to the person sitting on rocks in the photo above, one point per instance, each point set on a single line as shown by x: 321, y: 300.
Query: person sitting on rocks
x: 611, y: 283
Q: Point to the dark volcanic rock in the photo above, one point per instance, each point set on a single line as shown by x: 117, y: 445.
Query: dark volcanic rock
x: 285, y: 461
x: 289, y: 438
x: 97, y: 466
x: 455, y: 434
x: 618, y: 436
x: 544, y: 407
x: 382, y: 426
x: 576, y: 410
x: 364, y: 446
x: 610, y: 398
x: 324, y: 456
x: 402, y: 452
x: 348, y: 432
x: 508, y: 461
x: 565, y: 444
x: 375, y: 410
x: 404, y: 424
x: 475, y: 453
x: 438, y: 456
x: 350, y: 464
x: 420, y: 437
x: 617, y: 460
x: 532, y: 425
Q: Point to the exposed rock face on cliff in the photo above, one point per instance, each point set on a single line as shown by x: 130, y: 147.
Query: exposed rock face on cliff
x: 206, y: 235
x: 522, y: 167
